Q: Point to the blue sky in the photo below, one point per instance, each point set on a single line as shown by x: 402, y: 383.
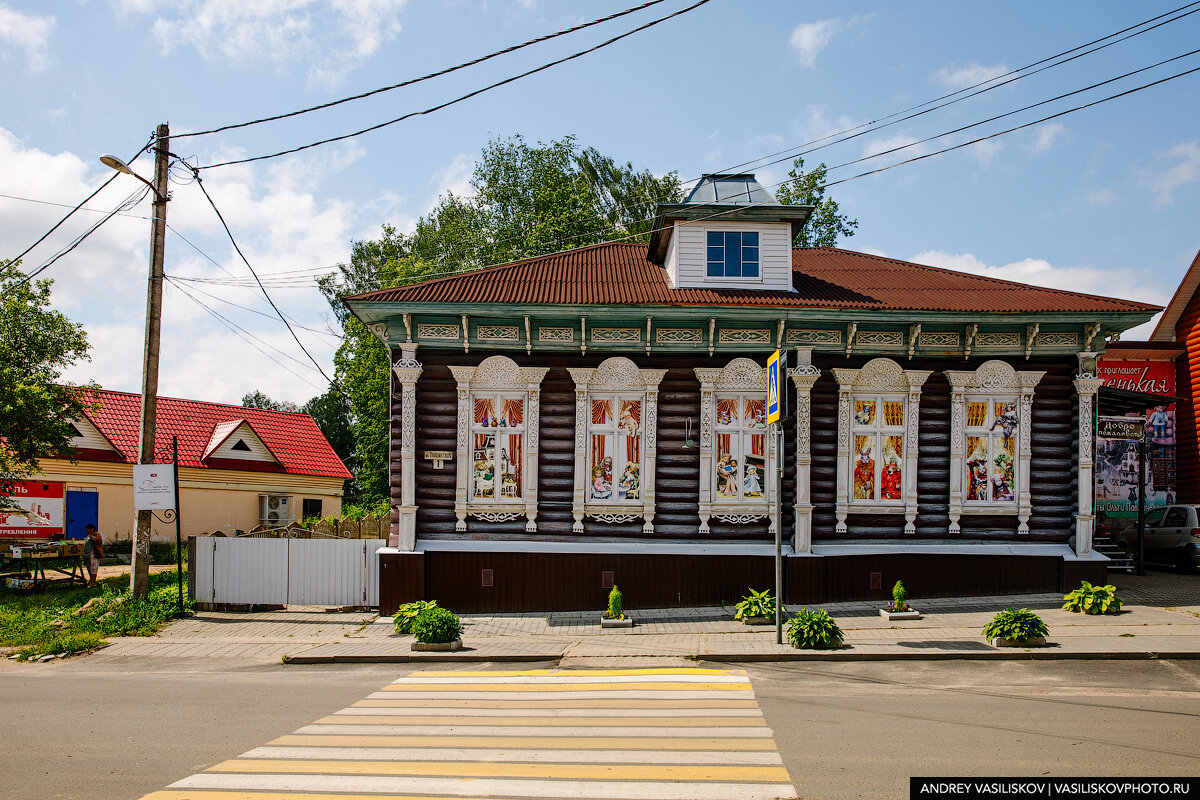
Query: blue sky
x: 1104, y: 200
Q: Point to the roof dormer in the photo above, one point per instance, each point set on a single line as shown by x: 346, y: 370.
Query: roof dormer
x: 237, y: 440
x: 86, y: 436
x: 730, y: 233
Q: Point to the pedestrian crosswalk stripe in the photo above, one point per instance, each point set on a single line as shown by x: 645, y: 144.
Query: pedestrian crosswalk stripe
x: 439, y: 710
x: 657, y: 772
x: 485, y: 755
x: 662, y: 734
x: 531, y: 742
x: 493, y: 787
x: 521, y: 721
x: 502, y: 730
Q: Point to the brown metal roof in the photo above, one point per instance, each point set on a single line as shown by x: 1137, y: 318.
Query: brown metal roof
x: 617, y: 273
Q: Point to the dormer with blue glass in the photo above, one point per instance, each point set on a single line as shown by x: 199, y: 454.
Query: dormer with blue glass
x: 730, y: 233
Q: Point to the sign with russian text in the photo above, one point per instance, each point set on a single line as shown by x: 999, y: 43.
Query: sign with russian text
x: 153, y: 487
x: 1125, y: 429
x: 773, y: 388
x: 1117, y: 455
x: 42, y: 504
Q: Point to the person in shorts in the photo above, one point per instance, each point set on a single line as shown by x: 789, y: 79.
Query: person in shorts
x: 93, y: 551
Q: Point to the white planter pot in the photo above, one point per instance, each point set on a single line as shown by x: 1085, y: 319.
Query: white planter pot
x: 1000, y: 641
x: 890, y: 615
x: 758, y: 620
x: 616, y: 623
x: 438, y: 647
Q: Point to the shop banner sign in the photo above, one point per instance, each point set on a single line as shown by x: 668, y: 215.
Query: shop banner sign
x: 153, y: 487
x: 1125, y: 429
x: 41, y: 515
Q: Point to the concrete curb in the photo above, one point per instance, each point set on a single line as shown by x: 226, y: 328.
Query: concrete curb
x: 750, y: 658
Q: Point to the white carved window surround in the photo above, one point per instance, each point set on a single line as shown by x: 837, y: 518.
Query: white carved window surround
x: 616, y: 439
x: 497, y: 453
x: 990, y: 441
x: 878, y: 417
x: 737, y: 455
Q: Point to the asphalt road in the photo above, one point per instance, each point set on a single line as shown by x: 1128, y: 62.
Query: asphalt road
x: 80, y: 730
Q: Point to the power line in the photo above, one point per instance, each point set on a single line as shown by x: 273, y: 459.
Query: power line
x: 438, y: 74
x: 246, y: 261
x: 67, y: 205
x: 220, y: 299
x: 467, y: 96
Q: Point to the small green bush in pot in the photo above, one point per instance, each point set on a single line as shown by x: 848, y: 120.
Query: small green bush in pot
x: 813, y: 629
x: 899, y: 602
x: 615, y: 604
x: 436, y: 626
x: 755, y: 604
x: 405, y: 615
x: 1016, y: 625
x: 1093, y: 599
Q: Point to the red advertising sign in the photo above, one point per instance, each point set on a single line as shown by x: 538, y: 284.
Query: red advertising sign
x: 42, y: 511
x: 1151, y: 377
x: 1117, y: 459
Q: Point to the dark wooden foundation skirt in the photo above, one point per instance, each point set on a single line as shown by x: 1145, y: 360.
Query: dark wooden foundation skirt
x: 475, y: 582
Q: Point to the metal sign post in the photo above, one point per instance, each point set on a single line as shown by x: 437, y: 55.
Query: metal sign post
x: 775, y: 419
x: 178, y: 532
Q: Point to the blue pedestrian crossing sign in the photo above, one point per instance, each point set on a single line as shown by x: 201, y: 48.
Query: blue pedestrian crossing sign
x: 773, y: 388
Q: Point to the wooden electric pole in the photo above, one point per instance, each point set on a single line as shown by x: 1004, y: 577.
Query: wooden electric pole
x: 139, y: 572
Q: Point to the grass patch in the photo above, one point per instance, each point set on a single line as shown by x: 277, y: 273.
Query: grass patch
x: 56, y: 622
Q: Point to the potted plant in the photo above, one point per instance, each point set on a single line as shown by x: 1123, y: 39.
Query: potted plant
x: 436, y: 629
x: 813, y: 629
x: 405, y: 615
x: 756, y: 608
x: 614, y: 616
x: 899, y: 608
x: 1093, y: 599
x: 1016, y: 627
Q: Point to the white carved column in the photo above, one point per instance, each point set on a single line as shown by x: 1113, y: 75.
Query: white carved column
x: 1086, y: 387
x: 1028, y: 380
x: 958, y: 410
x: 845, y: 379
x: 407, y: 370
x: 651, y: 378
x: 708, y: 378
x: 462, y: 460
x: 532, y: 438
x: 912, y: 410
x: 581, y: 376
x: 804, y: 376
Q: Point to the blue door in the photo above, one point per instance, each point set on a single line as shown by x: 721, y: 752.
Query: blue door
x: 82, y: 508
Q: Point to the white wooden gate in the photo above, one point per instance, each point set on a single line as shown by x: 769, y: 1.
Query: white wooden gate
x: 323, y: 572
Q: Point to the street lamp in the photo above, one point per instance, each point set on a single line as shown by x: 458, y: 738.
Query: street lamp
x: 139, y: 572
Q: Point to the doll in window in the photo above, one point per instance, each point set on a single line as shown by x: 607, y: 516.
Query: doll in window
x: 977, y: 475
x: 483, y: 478
x: 627, y: 487
x: 889, y: 481
x: 601, y: 489
x: 727, y: 476
x: 751, y: 486
x: 1007, y: 422
x: 864, y: 475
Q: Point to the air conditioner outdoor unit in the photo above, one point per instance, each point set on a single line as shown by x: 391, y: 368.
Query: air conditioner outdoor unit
x: 274, y: 509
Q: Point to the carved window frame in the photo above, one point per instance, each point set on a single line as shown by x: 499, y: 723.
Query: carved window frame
x: 497, y: 376
x: 621, y: 377
x: 494, y: 429
x: 740, y: 378
x: 880, y: 377
x: 993, y: 381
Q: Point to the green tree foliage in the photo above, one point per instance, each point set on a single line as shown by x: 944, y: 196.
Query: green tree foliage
x: 257, y: 399
x: 331, y: 412
x: 529, y: 200
x: 36, y: 408
x: 827, y: 224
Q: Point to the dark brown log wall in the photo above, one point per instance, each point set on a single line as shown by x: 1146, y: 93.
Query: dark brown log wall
x: 1053, y: 467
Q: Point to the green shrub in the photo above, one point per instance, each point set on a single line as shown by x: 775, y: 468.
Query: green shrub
x: 755, y: 604
x: 899, y: 598
x: 813, y: 629
x: 1093, y: 599
x: 409, y: 611
x: 1016, y: 624
x: 436, y: 626
x: 615, y: 604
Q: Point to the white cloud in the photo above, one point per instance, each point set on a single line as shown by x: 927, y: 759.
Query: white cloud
x: 1044, y: 136
x: 1130, y: 283
x: 1184, y: 170
x: 810, y: 38
x: 278, y: 219
x: 455, y: 177
x: 1102, y: 197
x: 331, y: 37
x: 898, y: 140
x: 954, y: 77
x: 27, y: 32
x: 985, y: 152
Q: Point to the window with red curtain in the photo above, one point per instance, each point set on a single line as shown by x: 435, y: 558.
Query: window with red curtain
x: 615, y: 431
x: 739, y: 466
x: 498, y: 441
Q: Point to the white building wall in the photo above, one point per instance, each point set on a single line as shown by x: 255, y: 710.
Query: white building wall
x: 687, y: 257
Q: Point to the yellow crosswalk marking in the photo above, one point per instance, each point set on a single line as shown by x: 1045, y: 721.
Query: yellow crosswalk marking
x: 593, y: 701
x: 532, y: 742
x: 518, y: 722
x: 558, y: 673
x: 567, y: 687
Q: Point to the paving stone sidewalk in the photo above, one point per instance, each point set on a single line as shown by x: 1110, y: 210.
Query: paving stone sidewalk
x: 1161, y: 619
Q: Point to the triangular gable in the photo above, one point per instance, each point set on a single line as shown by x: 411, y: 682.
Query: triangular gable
x: 1164, y: 331
x: 88, y: 436
x: 236, y: 439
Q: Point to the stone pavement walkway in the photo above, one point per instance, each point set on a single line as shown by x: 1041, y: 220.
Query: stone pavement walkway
x: 1161, y: 618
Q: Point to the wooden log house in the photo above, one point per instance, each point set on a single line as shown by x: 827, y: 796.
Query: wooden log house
x: 568, y: 421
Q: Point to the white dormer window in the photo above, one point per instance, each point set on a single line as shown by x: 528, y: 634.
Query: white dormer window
x: 733, y: 254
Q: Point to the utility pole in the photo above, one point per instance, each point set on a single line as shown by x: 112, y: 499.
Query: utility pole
x: 139, y: 571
